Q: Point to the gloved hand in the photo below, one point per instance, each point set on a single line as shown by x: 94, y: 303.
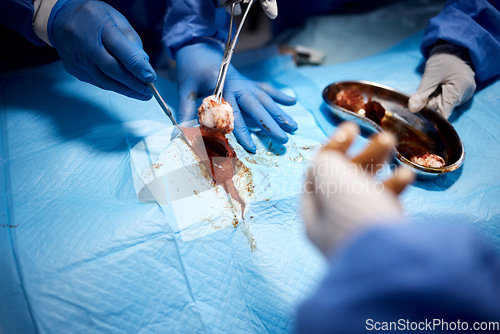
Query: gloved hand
x: 341, y: 198
x: 447, y: 82
x: 270, y: 7
x: 197, y: 70
x: 97, y: 45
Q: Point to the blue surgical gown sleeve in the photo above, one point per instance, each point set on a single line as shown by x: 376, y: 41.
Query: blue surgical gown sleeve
x: 473, y: 25
x: 188, y: 20
x: 405, y: 272
x: 18, y: 15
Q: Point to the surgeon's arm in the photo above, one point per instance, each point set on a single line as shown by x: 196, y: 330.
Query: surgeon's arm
x: 462, y: 47
x: 186, y: 21
x: 382, y: 269
x: 95, y: 42
x: 408, y: 272
x: 471, y: 25
x: 195, y: 32
x: 18, y: 15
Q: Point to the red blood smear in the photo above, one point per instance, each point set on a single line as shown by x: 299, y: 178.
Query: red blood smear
x: 221, y: 158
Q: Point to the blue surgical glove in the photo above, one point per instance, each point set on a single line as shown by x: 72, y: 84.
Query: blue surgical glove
x: 197, y: 70
x: 97, y: 45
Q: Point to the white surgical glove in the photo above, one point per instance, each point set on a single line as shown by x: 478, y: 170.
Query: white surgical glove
x: 270, y: 7
x: 447, y: 82
x: 341, y: 198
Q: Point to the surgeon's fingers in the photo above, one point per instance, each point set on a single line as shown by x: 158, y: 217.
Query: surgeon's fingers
x: 132, y: 57
x: 427, y: 87
x: 342, y: 138
x: 418, y: 101
x: 277, y: 95
x: 270, y: 7
x: 101, y: 80
x: 115, y: 70
x: 241, y: 131
x: 282, y: 118
x: 252, y: 108
x: 436, y: 103
x: 400, y: 180
x: 376, y: 153
x: 127, y: 30
x: 188, y: 93
x: 445, y: 102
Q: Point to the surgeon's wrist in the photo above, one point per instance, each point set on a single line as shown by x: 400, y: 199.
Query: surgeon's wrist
x: 448, y: 48
x: 57, y: 9
x: 41, y: 15
x: 204, y: 40
x: 197, y: 40
x: 350, y: 240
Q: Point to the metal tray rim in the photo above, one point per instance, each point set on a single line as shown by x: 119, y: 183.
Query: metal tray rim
x: 427, y: 170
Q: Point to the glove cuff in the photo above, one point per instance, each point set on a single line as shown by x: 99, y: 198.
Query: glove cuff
x: 41, y: 18
x: 444, y: 47
x: 210, y: 40
x: 205, y: 40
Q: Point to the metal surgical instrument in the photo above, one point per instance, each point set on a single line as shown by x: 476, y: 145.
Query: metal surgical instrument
x: 167, y: 111
x: 230, y: 45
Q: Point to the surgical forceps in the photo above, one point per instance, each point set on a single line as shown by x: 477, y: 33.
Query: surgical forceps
x: 230, y: 45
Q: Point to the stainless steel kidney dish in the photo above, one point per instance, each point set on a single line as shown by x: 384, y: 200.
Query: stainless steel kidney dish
x: 424, y: 132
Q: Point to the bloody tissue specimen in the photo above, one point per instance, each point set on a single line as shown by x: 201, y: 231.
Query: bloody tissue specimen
x: 216, y: 116
x: 429, y: 160
x: 221, y: 160
x: 374, y: 111
x: 350, y: 99
x: 420, y: 155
